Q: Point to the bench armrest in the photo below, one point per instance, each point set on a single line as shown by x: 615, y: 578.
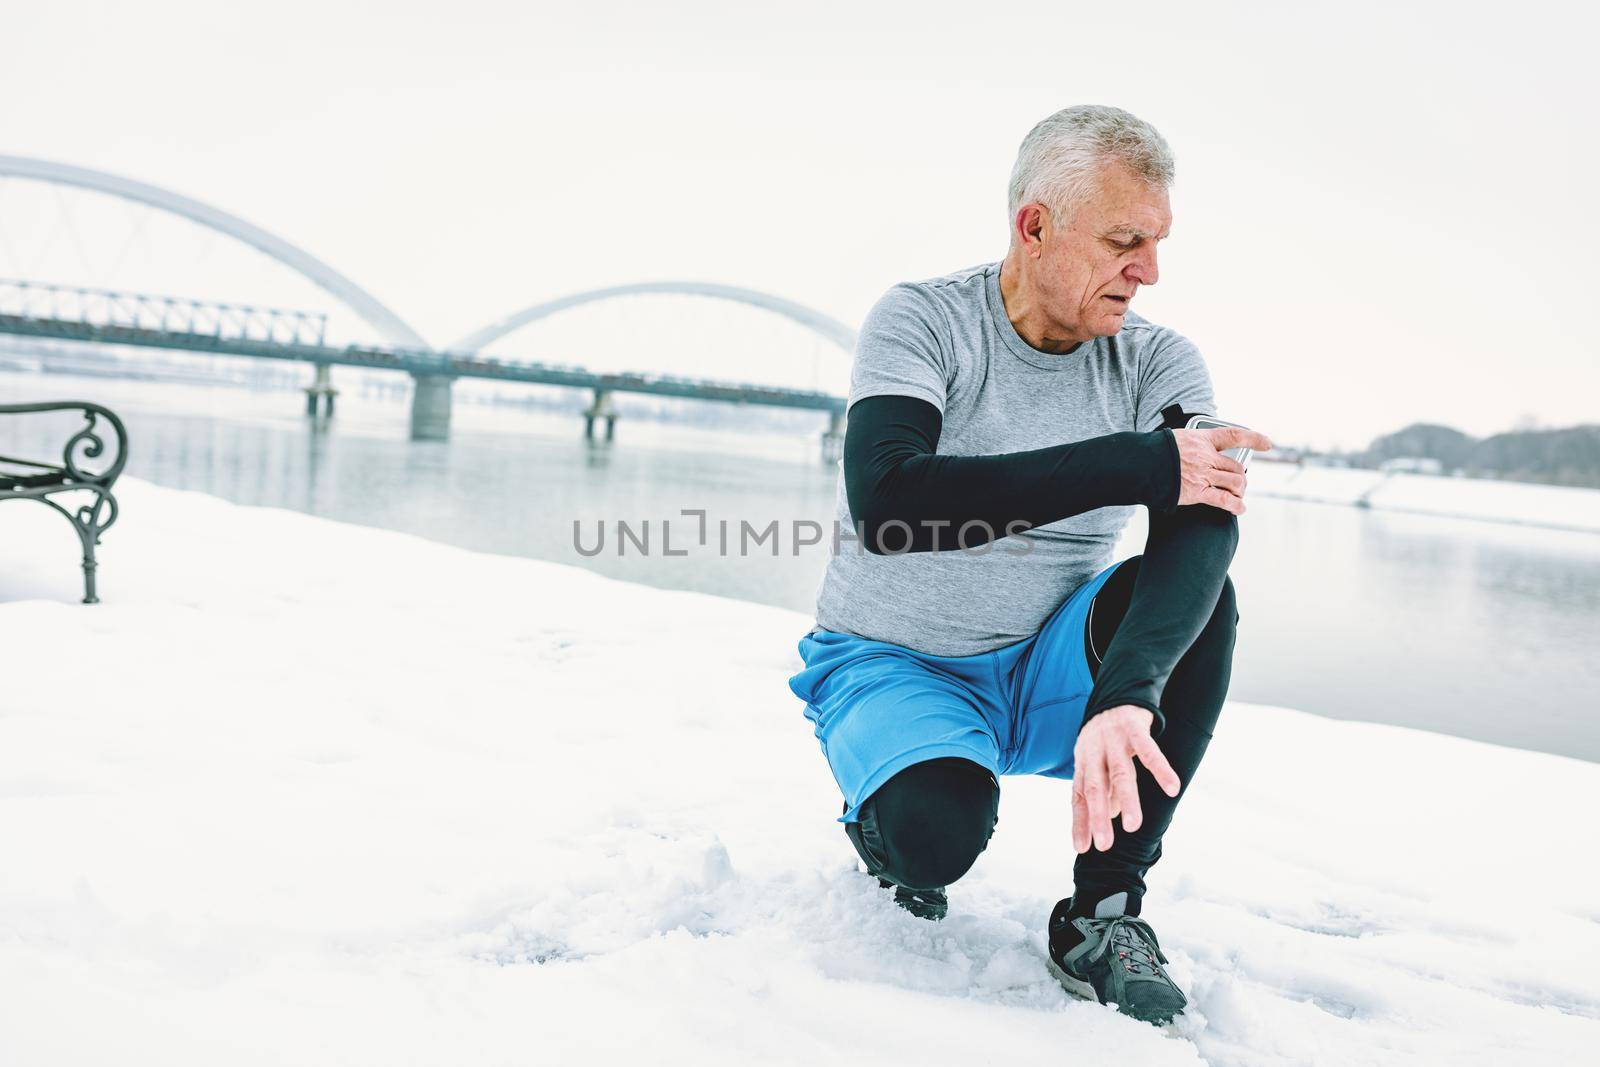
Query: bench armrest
x: 85, y: 444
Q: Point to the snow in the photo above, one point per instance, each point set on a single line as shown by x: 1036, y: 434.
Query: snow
x: 1521, y: 503
x: 303, y: 792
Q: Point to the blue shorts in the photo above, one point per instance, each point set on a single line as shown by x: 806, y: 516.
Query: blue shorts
x: 878, y: 708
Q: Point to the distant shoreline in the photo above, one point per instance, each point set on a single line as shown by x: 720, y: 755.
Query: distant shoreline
x: 1555, y: 507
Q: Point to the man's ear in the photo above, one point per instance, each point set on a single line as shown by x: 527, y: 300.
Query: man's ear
x: 1031, y: 222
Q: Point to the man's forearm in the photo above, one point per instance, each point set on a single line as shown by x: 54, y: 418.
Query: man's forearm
x: 1185, y: 562
x: 893, y: 475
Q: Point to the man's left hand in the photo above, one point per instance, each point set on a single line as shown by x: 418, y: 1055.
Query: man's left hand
x: 1104, y: 783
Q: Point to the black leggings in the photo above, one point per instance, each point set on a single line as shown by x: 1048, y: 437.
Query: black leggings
x: 924, y: 827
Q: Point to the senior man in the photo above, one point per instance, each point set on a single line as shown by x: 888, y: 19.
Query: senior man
x: 1003, y: 423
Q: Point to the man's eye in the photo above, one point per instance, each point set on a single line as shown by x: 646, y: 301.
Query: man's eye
x: 1126, y: 246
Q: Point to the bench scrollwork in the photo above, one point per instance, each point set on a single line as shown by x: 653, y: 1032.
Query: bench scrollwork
x: 32, y: 479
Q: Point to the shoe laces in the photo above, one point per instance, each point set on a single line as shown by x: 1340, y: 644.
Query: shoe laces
x: 1130, y: 937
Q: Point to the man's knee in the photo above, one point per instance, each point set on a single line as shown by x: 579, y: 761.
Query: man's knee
x: 925, y: 827
x: 1206, y: 668
x: 1111, y: 606
x: 1227, y: 610
x: 1212, y: 651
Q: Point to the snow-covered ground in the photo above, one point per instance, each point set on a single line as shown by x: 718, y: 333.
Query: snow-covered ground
x: 300, y: 792
x: 1522, y: 503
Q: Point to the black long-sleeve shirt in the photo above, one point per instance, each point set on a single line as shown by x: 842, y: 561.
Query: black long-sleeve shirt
x: 907, y: 497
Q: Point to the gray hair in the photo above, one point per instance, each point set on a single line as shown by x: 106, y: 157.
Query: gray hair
x: 1060, y: 159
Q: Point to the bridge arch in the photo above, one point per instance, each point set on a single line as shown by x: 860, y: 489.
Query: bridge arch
x: 392, y: 328
x: 825, y: 326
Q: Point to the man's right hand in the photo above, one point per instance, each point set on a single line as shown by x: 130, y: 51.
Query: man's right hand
x: 1209, y: 476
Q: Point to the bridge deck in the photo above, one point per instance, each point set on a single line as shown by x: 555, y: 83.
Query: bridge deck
x: 422, y: 361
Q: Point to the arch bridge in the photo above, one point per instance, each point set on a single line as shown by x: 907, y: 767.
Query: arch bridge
x: 84, y: 314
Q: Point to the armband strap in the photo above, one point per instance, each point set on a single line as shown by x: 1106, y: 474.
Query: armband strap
x: 1173, y: 417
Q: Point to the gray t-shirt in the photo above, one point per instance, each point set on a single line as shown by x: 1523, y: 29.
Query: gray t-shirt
x: 948, y: 341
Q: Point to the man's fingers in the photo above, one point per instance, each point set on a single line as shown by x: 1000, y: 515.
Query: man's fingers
x: 1080, y: 820
x: 1233, y: 483
x: 1125, y: 792
x: 1238, y: 437
x: 1150, y: 754
x: 1221, y: 498
x: 1223, y: 461
x: 1094, y: 795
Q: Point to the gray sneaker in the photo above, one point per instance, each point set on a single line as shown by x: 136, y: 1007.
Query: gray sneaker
x: 1113, y: 958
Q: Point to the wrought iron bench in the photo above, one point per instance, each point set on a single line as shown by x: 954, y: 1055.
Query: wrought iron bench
x: 26, y: 479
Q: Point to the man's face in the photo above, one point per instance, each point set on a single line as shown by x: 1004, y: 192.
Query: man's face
x: 1090, y: 269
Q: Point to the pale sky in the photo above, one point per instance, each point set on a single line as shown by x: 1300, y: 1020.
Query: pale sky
x: 1381, y: 215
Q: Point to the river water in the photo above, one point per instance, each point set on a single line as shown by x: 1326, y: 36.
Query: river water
x: 1478, y: 629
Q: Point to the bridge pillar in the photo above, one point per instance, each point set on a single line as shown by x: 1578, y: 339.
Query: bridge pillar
x: 320, y: 392
x: 430, y: 407
x: 601, y: 408
x: 833, y: 438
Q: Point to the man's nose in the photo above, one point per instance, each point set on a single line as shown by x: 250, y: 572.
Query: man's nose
x: 1143, y: 269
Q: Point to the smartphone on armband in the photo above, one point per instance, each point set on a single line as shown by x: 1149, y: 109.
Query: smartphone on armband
x: 1206, y: 422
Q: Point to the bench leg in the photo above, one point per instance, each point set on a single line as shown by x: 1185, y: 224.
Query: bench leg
x: 88, y: 579
x: 88, y: 539
x: 87, y: 521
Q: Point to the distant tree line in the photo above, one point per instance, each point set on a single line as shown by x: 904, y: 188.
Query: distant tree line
x: 1568, y: 456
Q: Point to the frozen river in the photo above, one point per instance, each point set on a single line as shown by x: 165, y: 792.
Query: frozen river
x: 1473, y: 628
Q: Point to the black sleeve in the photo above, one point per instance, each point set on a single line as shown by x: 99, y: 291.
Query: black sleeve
x: 905, y: 497
x: 1186, y: 558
